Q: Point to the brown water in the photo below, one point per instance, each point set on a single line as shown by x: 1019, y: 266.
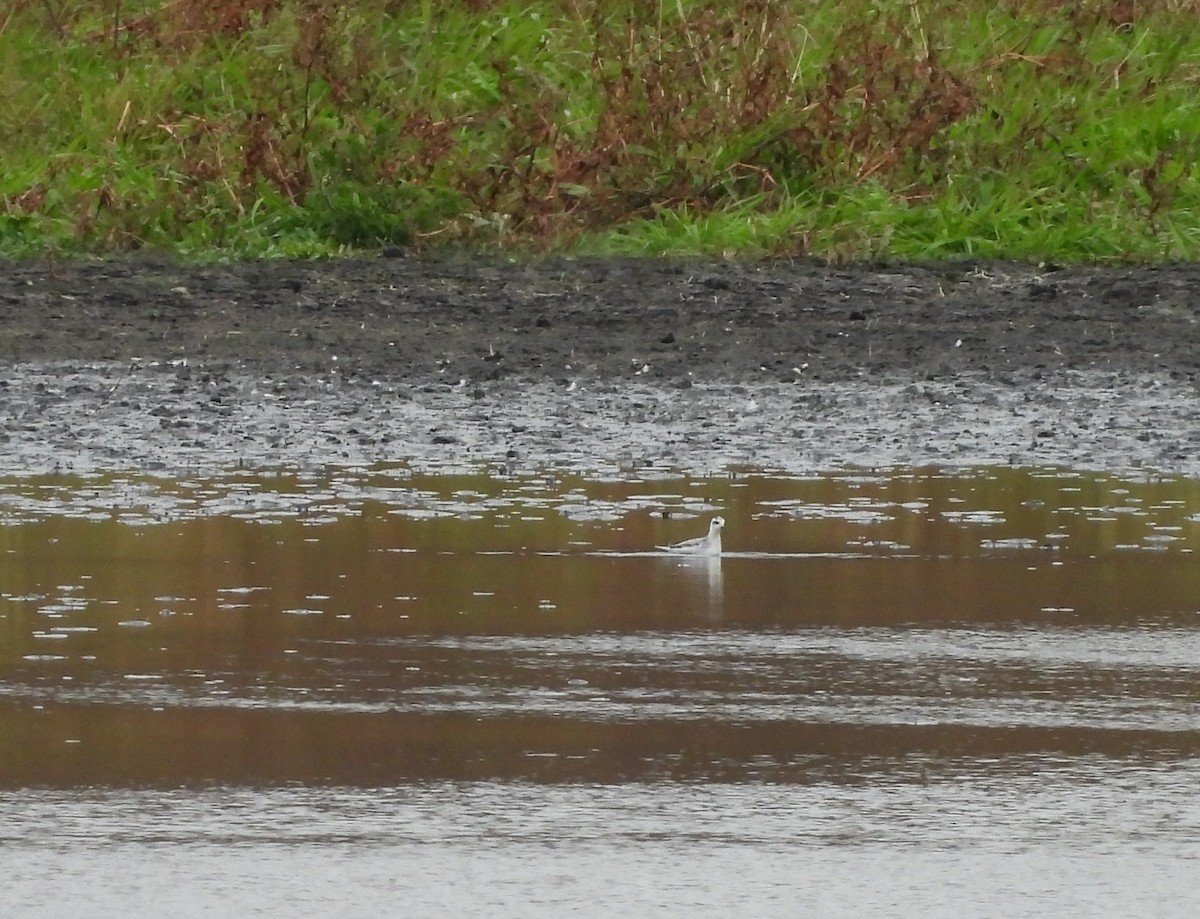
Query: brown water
x: 368, y: 692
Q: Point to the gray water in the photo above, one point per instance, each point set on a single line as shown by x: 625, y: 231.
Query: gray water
x: 369, y: 692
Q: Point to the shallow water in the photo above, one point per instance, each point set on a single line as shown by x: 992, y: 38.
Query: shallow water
x: 1086, y: 838
x: 905, y: 692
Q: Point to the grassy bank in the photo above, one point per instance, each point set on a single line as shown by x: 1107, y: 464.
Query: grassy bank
x: 838, y: 128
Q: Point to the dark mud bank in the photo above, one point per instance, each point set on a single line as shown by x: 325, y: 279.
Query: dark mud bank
x: 595, y: 365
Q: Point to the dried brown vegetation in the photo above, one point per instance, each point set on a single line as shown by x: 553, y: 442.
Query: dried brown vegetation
x: 609, y: 111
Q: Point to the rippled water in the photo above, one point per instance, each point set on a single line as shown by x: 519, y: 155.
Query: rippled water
x: 1092, y: 837
x: 902, y: 693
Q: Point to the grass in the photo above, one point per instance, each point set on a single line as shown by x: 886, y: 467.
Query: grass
x: 843, y: 129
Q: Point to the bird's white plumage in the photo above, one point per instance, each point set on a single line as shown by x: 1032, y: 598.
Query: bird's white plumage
x: 701, y: 545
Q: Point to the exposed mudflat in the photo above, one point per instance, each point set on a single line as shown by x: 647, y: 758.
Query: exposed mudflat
x: 596, y: 365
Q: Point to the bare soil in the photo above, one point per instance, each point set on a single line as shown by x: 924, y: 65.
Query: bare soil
x: 596, y: 365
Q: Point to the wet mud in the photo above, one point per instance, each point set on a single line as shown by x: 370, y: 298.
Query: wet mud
x: 595, y: 364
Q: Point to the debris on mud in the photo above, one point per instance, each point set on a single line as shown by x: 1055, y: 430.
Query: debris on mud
x: 596, y: 364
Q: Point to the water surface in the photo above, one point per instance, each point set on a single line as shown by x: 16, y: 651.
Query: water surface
x: 906, y: 693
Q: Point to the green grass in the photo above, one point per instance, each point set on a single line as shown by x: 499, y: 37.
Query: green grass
x: 844, y: 129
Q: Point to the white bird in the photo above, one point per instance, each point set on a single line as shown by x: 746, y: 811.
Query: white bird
x: 702, y: 545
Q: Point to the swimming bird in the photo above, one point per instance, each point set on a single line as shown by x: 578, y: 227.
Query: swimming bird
x: 702, y: 545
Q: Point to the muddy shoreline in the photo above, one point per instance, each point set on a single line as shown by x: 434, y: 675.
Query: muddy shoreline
x: 603, y: 365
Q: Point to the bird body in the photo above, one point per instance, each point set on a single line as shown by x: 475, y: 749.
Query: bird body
x: 709, y: 545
